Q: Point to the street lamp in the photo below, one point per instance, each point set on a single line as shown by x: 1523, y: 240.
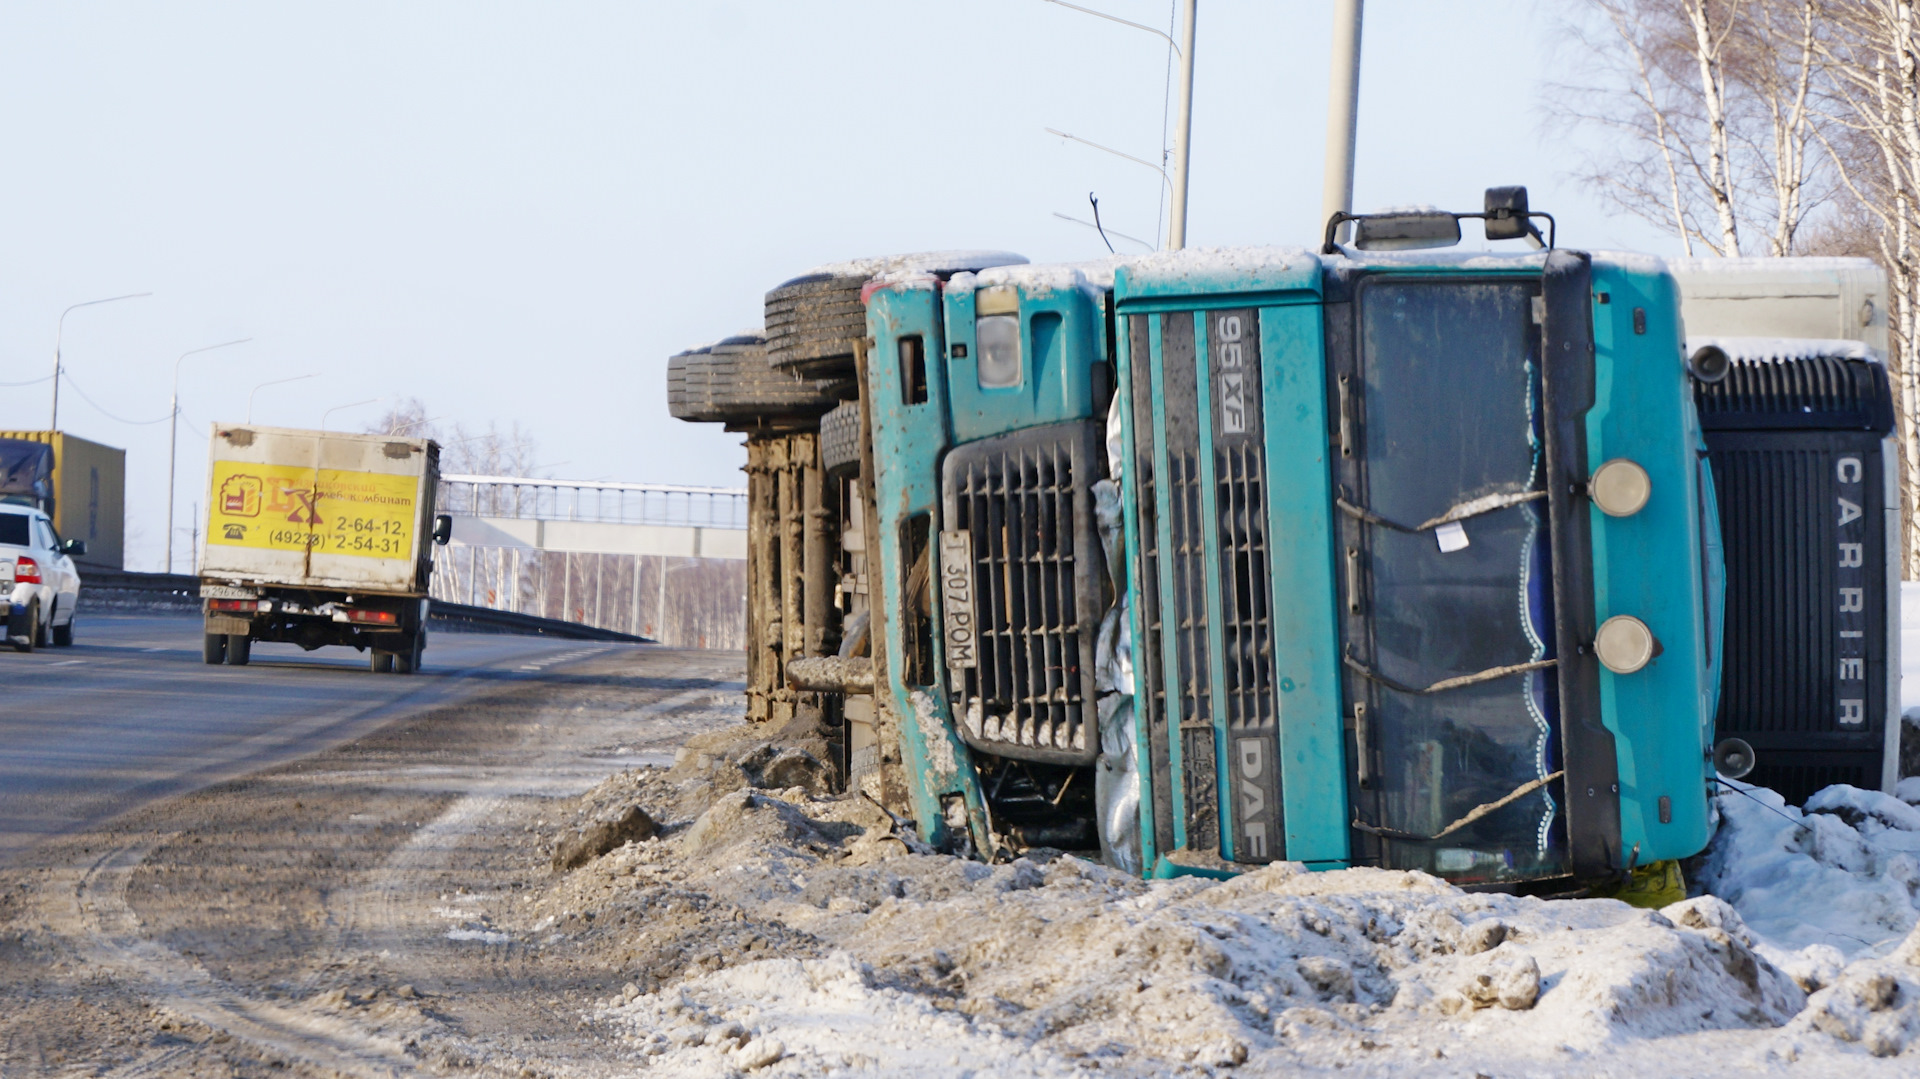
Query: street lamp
x: 337, y: 408
x: 53, y: 423
x: 173, y: 435
x: 275, y: 382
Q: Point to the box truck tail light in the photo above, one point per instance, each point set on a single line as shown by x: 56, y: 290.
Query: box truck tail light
x: 26, y: 570
x: 235, y: 605
x: 382, y: 618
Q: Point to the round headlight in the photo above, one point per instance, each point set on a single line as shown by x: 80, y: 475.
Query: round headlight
x: 1709, y: 363
x: 1620, y: 488
x: 1624, y: 644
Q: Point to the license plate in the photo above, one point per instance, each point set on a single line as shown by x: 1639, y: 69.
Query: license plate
x: 956, y: 599
x: 221, y: 591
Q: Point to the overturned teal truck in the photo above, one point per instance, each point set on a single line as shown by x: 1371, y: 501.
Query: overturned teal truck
x: 1373, y: 554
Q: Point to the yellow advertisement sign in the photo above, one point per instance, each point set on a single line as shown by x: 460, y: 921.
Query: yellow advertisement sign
x: 289, y: 508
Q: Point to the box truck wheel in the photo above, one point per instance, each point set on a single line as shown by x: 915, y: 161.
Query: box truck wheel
x: 408, y: 661
x: 214, y: 648
x: 239, y: 649
x: 380, y: 662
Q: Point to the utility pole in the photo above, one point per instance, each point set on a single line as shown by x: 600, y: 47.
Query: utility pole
x: 1343, y: 113
x: 1182, y: 135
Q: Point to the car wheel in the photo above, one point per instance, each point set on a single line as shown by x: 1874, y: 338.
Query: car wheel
x: 380, y: 662
x: 213, y: 649
x: 239, y: 649
x: 43, y: 632
x: 63, y: 635
x: 26, y: 643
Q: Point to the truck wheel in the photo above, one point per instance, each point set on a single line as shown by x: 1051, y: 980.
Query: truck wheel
x: 732, y: 381
x: 840, y: 437
x: 814, y: 322
x: 32, y: 638
x: 213, y: 649
x: 380, y: 662
x: 408, y: 662
x: 239, y: 649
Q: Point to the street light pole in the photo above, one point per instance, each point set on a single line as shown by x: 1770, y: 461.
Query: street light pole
x: 1343, y: 113
x: 337, y: 408
x: 60, y: 332
x: 173, y: 435
x: 1182, y: 136
x: 275, y: 382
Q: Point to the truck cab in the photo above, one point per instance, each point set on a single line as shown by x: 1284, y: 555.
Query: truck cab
x: 1411, y: 559
x: 1427, y: 569
x: 987, y: 394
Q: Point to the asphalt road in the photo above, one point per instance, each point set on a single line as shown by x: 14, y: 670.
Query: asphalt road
x: 131, y: 713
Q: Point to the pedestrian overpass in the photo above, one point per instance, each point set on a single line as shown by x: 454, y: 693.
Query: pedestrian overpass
x: 664, y: 561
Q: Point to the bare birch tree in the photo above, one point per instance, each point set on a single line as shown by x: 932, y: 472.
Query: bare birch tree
x: 1714, y: 99
x: 1872, y: 132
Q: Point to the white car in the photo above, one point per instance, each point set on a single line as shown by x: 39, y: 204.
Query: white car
x: 36, y: 570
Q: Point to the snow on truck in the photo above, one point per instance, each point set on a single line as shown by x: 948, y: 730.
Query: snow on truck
x: 1364, y: 555
x: 318, y: 538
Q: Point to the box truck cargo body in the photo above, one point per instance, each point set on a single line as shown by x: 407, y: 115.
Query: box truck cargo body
x: 87, y: 494
x: 318, y: 538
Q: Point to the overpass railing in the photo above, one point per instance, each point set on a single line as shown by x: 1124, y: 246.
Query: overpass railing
x: 593, y: 500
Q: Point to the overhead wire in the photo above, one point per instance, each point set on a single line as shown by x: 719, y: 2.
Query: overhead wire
x: 75, y: 386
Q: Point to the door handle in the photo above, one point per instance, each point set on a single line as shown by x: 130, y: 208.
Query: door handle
x: 1353, y: 580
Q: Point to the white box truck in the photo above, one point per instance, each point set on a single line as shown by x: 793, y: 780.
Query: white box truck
x: 319, y: 538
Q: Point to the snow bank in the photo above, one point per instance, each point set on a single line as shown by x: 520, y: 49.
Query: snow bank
x: 789, y: 935
x: 1842, y: 876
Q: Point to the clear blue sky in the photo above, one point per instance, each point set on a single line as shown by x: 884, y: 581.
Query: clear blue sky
x: 516, y: 212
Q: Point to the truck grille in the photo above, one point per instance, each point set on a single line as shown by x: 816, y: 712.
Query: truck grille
x: 1025, y: 501
x: 1246, y: 622
x: 1192, y: 681
x: 1150, y: 689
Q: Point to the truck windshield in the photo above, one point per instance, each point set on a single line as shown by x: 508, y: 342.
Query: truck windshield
x: 1450, y: 428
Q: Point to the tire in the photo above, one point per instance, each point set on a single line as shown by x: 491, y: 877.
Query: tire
x: 408, y: 662
x: 33, y: 629
x: 213, y: 649
x: 43, y: 634
x: 840, y: 437
x: 732, y: 382
x: 63, y: 635
x: 239, y: 649
x: 380, y: 662
x: 815, y: 321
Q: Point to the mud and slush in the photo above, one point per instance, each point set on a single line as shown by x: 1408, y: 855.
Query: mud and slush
x: 604, y: 873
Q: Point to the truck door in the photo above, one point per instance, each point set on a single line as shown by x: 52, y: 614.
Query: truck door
x: 1445, y: 562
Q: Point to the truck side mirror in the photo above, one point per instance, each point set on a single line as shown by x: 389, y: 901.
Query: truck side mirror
x: 1507, y: 216
x: 74, y: 547
x: 442, y: 529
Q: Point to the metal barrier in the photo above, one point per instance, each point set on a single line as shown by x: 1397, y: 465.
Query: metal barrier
x: 589, y: 500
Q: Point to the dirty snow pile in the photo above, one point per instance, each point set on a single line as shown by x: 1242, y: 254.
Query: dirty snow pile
x: 778, y: 932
